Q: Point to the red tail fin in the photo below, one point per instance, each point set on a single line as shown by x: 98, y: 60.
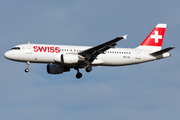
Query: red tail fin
x: 155, y: 38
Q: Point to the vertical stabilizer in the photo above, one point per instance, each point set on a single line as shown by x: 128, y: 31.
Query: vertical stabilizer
x: 154, y: 40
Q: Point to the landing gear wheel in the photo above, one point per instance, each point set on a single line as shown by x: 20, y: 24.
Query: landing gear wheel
x: 26, y: 70
x: 78, y: 75
x: 88, y: 69
x: 27, y: 65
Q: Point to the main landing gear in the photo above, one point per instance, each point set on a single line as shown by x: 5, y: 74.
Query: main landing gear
x: 79, y: 75
x: 88, y: 69
x: 27, y: 65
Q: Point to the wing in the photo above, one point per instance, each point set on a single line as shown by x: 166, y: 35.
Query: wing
x: 91, y: 53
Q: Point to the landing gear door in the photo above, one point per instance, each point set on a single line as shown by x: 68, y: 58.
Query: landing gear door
x: 28, y: 49
x: 138, y: 55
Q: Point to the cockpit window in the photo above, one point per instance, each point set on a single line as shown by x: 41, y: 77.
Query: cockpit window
x: 15, y: 48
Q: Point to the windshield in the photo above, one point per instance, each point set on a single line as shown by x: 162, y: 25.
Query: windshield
x: 15, y: 48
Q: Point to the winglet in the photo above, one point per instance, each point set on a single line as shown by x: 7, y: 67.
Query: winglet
x: 125, y: 36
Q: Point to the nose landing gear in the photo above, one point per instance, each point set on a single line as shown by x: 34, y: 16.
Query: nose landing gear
x: 27, y: 65
x: 26, y: 70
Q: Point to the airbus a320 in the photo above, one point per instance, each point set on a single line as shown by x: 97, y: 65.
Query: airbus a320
x: 62, y: 58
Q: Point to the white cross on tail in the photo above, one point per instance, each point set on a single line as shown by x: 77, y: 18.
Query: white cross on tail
x: 156, y: 37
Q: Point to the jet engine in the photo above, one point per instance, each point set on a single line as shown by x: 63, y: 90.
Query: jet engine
x: 71, y: 58
x: 56, y: 69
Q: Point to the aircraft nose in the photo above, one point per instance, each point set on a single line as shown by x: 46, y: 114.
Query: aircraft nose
x: 7, y: 55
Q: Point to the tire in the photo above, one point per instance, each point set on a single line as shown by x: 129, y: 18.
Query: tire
x: 78, y: 75
x: 26, y: 70
x: 88, y: 69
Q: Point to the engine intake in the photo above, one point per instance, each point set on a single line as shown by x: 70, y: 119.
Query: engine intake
x: 56, y: 69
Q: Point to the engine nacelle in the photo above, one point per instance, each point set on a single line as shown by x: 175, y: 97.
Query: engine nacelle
x: 56, y: 69
x: 69, y: 58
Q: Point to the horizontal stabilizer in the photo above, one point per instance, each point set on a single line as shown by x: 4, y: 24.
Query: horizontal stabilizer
x: 162, y: 51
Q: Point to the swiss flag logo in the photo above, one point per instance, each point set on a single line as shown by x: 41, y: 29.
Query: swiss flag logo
x: 155, y: 38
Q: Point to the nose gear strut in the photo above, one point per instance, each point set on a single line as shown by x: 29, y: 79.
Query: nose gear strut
x: 27, y: 65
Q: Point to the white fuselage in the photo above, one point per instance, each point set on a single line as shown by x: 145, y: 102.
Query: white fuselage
x: 61, y: 58
x: 43, y: 53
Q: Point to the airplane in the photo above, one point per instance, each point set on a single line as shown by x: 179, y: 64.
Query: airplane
x: 62, y: 58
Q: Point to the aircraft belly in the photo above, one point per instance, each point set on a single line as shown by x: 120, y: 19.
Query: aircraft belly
x: 121, y: 60
x: 115, y: 60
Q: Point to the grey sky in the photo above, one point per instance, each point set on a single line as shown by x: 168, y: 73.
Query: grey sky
x: 140, y: 92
